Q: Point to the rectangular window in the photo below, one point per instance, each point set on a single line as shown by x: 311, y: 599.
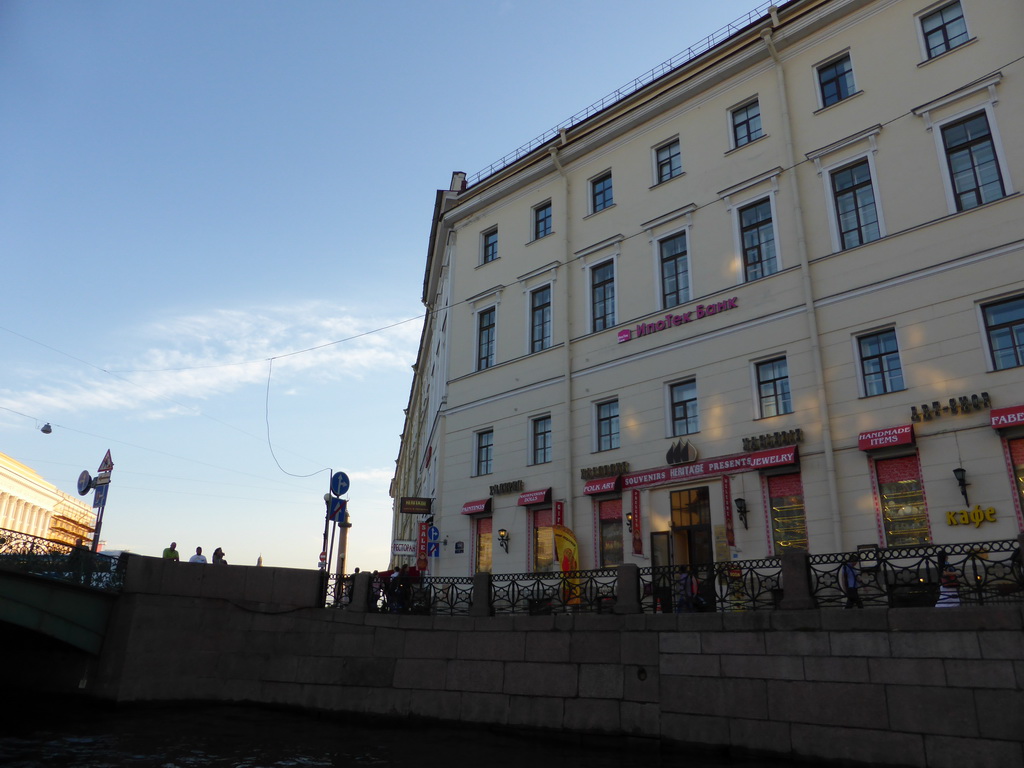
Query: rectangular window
x: 602, y: 296
x: 773, y: 388
x: 835, y: 80
x: 1004, y: 327
x: 540, y: 440
x: 542, y: 221
x: 608, y: 425
x: 746, y: 123
x: 540, y: 319
x: 601, y: 193
x: 854, y: 197
x: 609, y: 514
x: 971, y: 158
x: 668, y: 161
x: 675, y: 271
x: 789, y: 526
x: 543, y: 542
x: 484, y: 526
x: 490, y: 245
x: 901, y: 494
x: 944, y: 29
x: 757, y: 232
x: 684, y: 408
x: 484, y: 459
x: 880, y: 366
x: 486, y: 321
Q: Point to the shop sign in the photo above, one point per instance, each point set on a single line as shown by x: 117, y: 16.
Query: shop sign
x: 604, y: 470
x: 712, y: 467
x: 475, y: 507
x: 412, y: 505
x: 503, y: 489
x: 603, y: 485
x: 955, y: 405
x: 534, y: 497
x: 559, y: 512
x: 974, y: 517
x: 403, y: 547
x: 883, y: 438
x: 636, y: 523
x: 672, y: 320
x: 773, y: 440
x: 1008, y: 417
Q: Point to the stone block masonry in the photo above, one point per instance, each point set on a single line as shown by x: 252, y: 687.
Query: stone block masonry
x: 907, y: 687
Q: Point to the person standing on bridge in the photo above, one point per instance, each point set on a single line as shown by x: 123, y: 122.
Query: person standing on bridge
x: 218, y: 557
x: 171, y: 553
x: 198, y: 557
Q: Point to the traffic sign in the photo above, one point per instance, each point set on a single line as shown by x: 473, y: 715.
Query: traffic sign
x: 338, y: 510
x: 433, y: 549
x: 100, y: 499
x: 433, y: 534
x: 85, y: 483
x: 107, y: 464
x: 339, y: 484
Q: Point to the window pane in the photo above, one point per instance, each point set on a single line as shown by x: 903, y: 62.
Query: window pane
x: 540, y: 319
x: 675, y: 275
x: 603, y: 296
x: 669, y: 162
x: 1004, y: 324
x: 880, y: 363
x: 542, y: 221
x: 601, y: 191
x: 973, y: 168
x: 684, y: 408
x: 608, y: 425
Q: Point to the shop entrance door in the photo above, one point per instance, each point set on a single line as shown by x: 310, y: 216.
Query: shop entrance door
x: 692, y: 541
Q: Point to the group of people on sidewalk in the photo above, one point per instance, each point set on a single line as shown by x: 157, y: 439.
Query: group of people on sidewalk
x: 171, y: 553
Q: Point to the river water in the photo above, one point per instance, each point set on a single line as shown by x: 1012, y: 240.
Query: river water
x: 63, y: 734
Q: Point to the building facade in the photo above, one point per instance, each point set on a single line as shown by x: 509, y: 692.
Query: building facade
x: 30, y: 505
x: 770, y: 300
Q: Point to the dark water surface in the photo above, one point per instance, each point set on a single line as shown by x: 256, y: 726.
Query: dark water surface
x: 68, y: 735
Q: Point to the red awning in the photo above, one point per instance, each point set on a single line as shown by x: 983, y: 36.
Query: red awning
x: 603, y: 485
x: 476, y: 507
x: 1007, y: 417
x: 534, y: 497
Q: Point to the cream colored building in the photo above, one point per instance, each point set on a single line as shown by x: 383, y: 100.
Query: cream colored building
x: 30, y: 505
x: 771, y: 299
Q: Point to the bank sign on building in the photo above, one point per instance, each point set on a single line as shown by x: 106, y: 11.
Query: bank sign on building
x: 768, y: 301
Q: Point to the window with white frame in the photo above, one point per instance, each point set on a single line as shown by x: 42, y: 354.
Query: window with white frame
x: 485, y: 338
x: 853, y: 198
x: 540, y: 440
x: 835, y: 80
x: 540, y: 319
x: 489, y: 245
x: 483, y: 460
x: 602, y: 296
x: 944, y: 29
x: 675, y: 270
x: 542, y: 220
x: 746, y: 123
x: 1004, y: 330
x: 880, y: 367
x: 757, y: 235
x: 773, y: 394
x: 601, y: 193
x: 668, y: 162
x: 607, y: 421
x: 683, y: 404
x: 972, y: 162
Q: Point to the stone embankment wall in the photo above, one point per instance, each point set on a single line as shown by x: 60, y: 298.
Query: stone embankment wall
x: 914, y: 686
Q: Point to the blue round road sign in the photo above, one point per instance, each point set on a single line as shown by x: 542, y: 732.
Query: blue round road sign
x: 339, y: 484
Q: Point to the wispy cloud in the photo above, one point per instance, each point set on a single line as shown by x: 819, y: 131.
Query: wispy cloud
x: 180, y: 361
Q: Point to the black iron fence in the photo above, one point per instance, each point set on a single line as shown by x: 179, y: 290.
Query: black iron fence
x: 62, y: 562
x: 950, y: 575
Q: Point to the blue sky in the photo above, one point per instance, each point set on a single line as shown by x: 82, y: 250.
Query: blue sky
x: 190, y: 190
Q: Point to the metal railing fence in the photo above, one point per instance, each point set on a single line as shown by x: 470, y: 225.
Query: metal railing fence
x: 61, y: 562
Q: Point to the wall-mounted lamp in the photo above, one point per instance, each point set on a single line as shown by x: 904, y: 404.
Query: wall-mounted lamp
x: 445, y: 542
x: 629, y: 521
x: 503, y: 539
x: 741, y: 510
x: 961, y: 479
x: 46, y: 428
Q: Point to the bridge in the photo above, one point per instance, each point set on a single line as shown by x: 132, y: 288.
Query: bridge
x: 916, y: 686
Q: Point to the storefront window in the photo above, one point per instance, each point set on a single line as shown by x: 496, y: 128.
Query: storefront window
x: 789, y: 525
x: 483, y: 545
x: 901, y: 494
x: 610, y: 516
x: 1017, y: 459
x: 543, y: 542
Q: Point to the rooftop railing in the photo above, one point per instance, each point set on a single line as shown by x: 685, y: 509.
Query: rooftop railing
x: 626, y: 90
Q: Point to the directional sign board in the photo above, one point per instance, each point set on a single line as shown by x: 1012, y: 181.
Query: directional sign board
x: 433, y: 534
x: 433, y: 549
x: 337, y: 511
x: 339, y: 484
x: 100, y: 499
